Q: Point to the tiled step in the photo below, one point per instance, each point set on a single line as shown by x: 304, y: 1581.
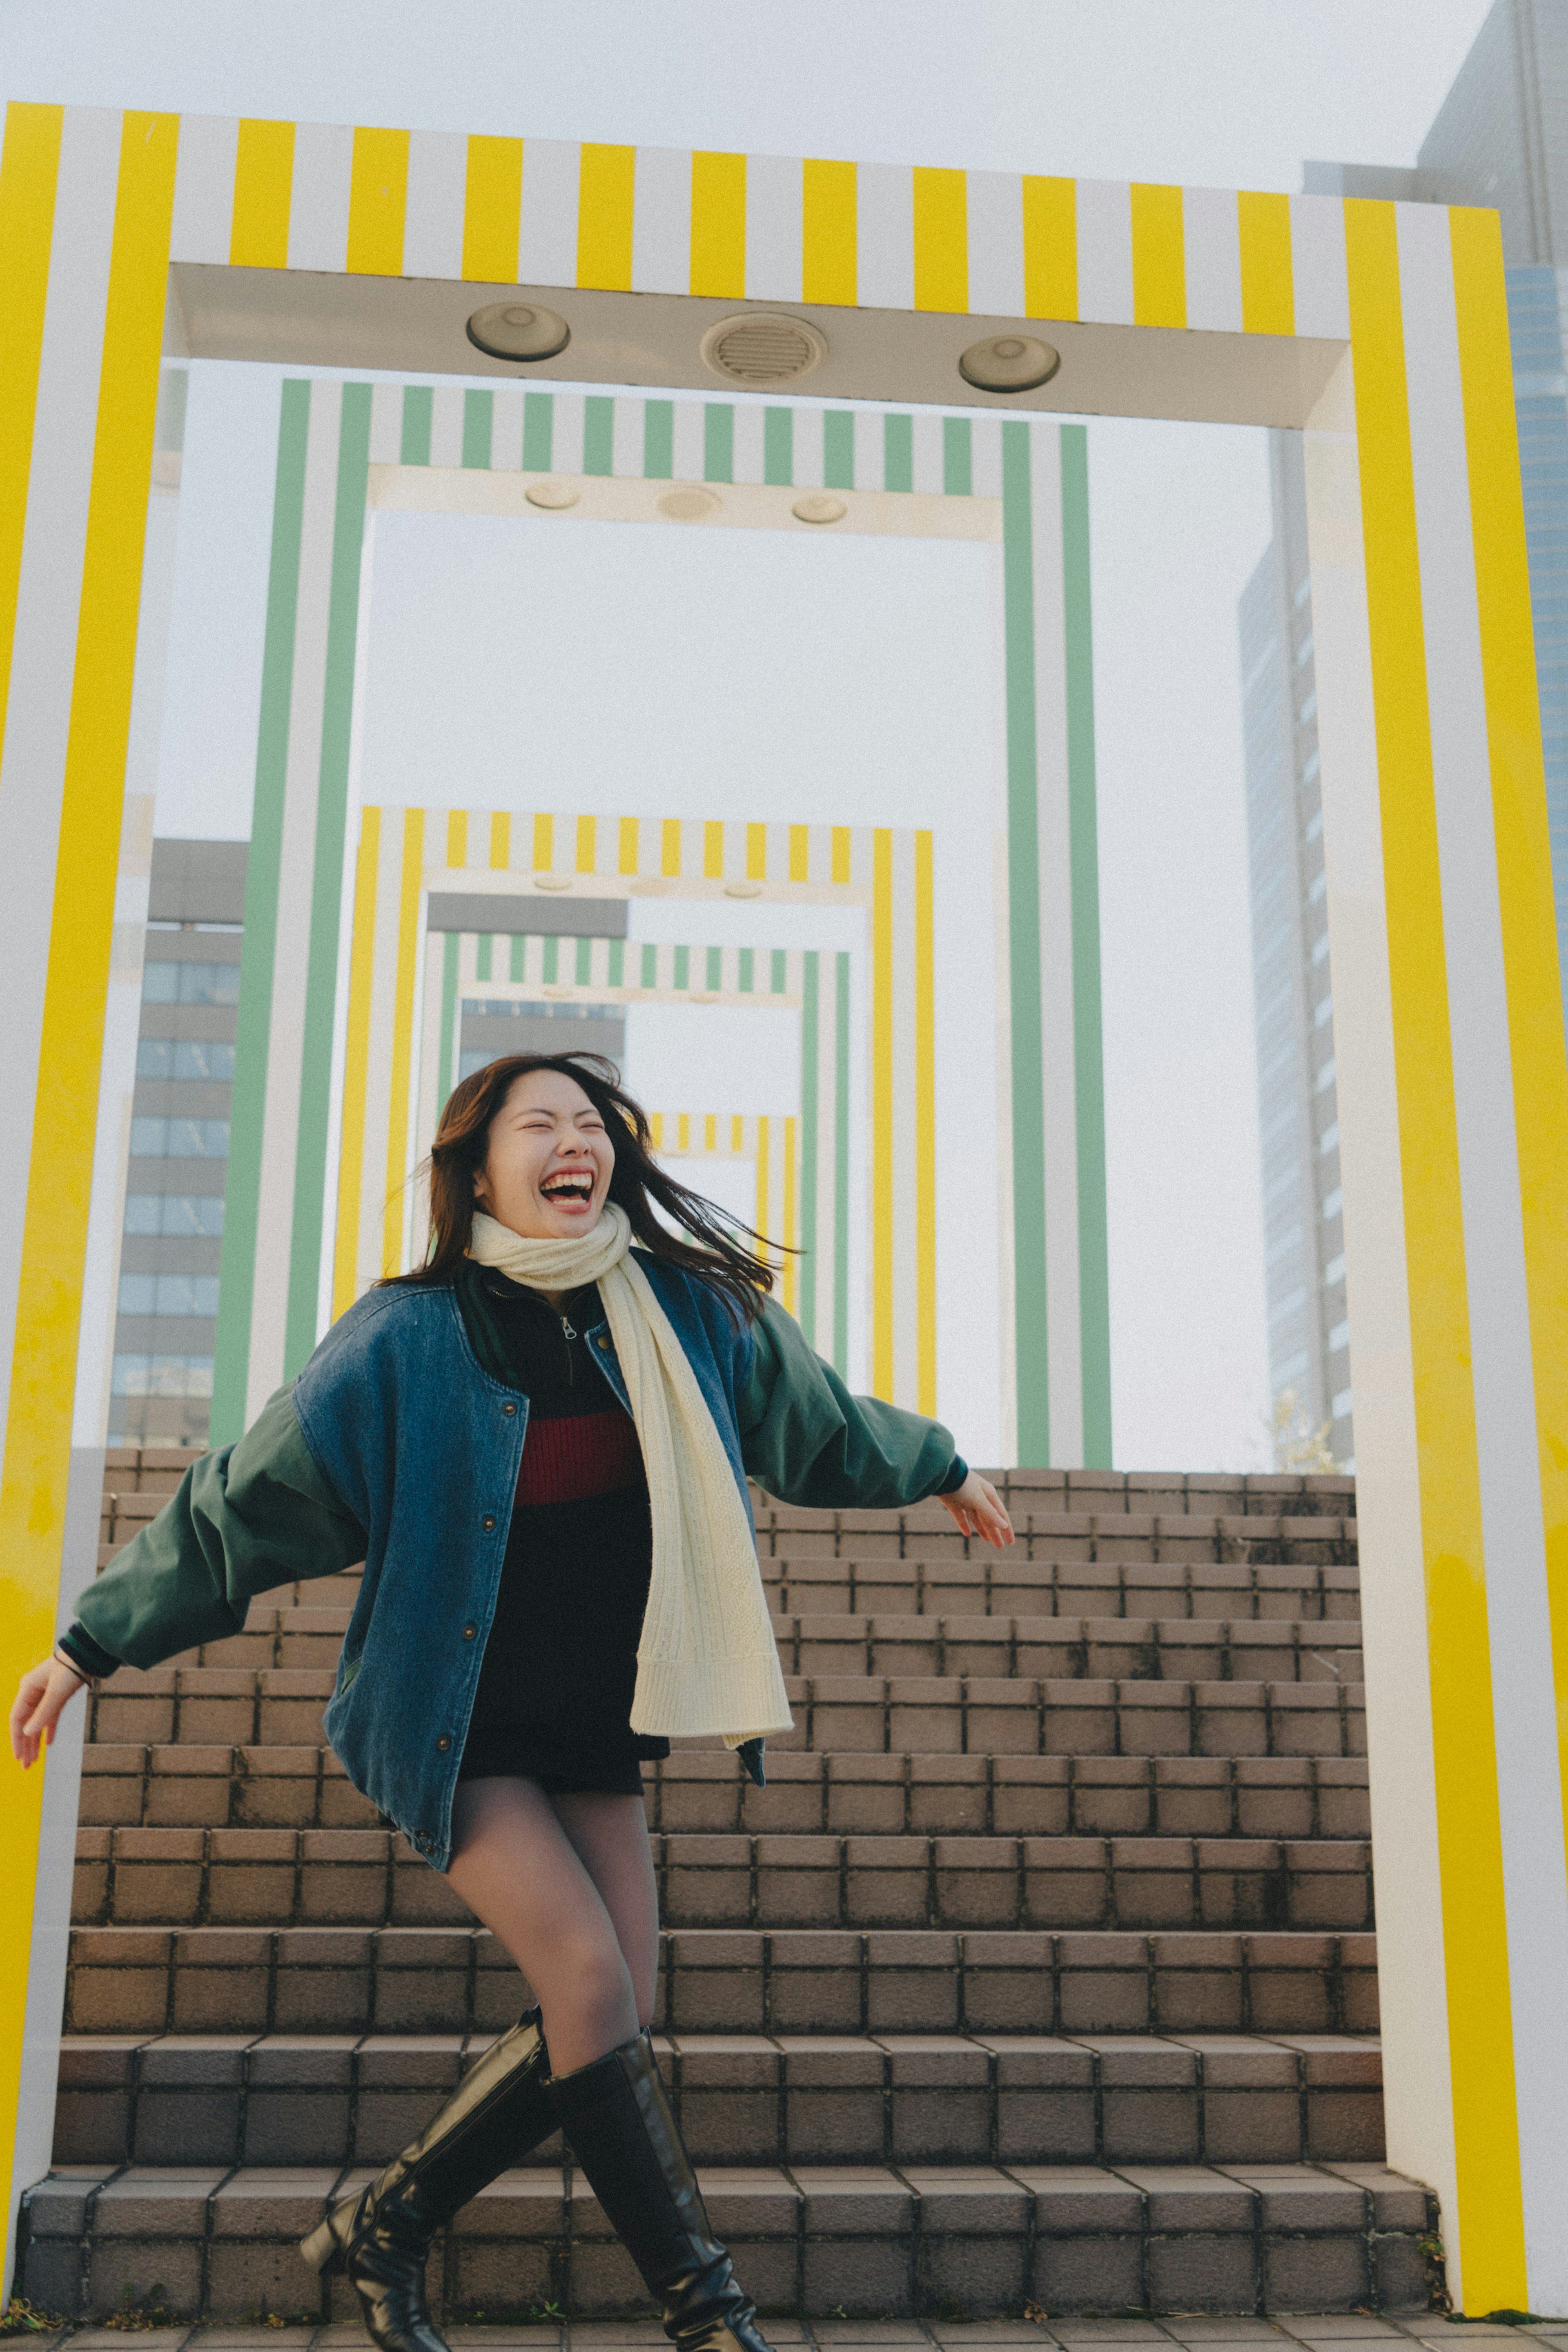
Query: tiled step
x: 301, y: 1877
x: 952, y: 1795
x: 1119, y: 1648
x: 325, y: 1981
x: 223, y: 2243
x: 1010, y: 1583
x: 753, y: 2098
x: 241, y: 1707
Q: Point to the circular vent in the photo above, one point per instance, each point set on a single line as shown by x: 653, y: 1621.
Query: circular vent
x: 1009, y: 364
x: 519, y: 330
x: 687, y: 505
x: 760, y: 350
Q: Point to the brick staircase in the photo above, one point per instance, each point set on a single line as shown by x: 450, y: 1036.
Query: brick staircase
x: 1041, y: 1970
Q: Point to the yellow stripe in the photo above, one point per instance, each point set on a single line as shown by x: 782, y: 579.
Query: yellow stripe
x: 713, y: 851
x: 1159, y: 257
x: 500, y: 840
x: 840, y: 853
x: 1480, y: 2043
x: 1524, y: 875
x: 882, y: 1137
x: 799, y: 853
x: 710, y: 1134
x: 59, y: 1173
x: 718, y: 226
x: 828, y: 222
x: 457, y: 838
x: 604, y: 196
x: 757, y: 852
x: 403, y: 1036
x: 357, y: 1059
x: 587, y: 844
x: 925, y: 1125
x: 29, y: 169
x: 493, y: 209
x: 736, y: 1133
x: 629, y: 844
x: 683, y: 1133
x: 378, y: 201
x: 264, y: 189
x: 941, y: 240
x: 764, y: 1189
x: 656, y: 1129
x: 1050, y: 247
x: 670, y: 846
x: 1268, y: 282
x: 543, y: 844
x: 789, y: 1213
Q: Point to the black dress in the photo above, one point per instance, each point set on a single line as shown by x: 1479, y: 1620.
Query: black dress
x: 554, y: 1701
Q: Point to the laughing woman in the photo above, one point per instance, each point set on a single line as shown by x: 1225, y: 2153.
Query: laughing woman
x: 538, y: 1444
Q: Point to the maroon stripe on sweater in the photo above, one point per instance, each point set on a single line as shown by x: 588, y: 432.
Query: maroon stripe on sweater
x: 583, y: 1454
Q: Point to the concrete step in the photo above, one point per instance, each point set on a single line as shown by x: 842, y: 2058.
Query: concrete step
x: 356, y: 1980
x: 276, y: 2099
x: 694, y: 1789
x: 1055, y: 1648
x: 223, y: 2243
x: 242, y: 1706
x: 287, y: 1877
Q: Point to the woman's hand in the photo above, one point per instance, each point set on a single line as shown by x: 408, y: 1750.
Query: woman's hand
x: 979, y: 1510
x: 41, y: 1698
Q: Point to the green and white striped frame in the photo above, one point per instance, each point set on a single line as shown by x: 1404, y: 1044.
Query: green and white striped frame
x: 344, y: 445
x: 809, y: 1203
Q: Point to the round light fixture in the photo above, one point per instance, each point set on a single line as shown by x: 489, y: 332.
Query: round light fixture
x: 759, y: 349
x: 519, y: 330
x: 819, y: 506
x: 1009, y: 364
x: 743, y: 889
x: 687, y: 505
x: 552, y: 881
x: 554, y: 497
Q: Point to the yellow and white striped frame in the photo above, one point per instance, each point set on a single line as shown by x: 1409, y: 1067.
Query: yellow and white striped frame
x: 1380, y: 330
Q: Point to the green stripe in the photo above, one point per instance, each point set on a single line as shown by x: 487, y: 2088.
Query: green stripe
x: 714, y: 969
x: 839, y: 449
x: 418, y: 415
x: 1031, y: 1351
x: 718, y: 442
x: 1088, y: 1045
x: 841, y: 1172
x: 327, y: 882
x: 585, y: 966
x: 551, y: 970
x: 598, y: 435
x: 253, y: 1019
x: 658, y: 440
x: 516, y: 957
x: 484, y: 948
x: 682, y: 967
x: 478, y: 417
x: 447, y: 1069
x: 898, y: 453
x: 650, y: 965
x: 617, y: 963
x: 780, y: 971
x: 539, y: 431
x: 810, y: 1010
x: 957, y: 458
x: 748, y: 971
x: 779, y: 447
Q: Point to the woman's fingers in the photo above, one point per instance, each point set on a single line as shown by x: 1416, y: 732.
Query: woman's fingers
x: 41, y: 1697
x: 979, y: 1510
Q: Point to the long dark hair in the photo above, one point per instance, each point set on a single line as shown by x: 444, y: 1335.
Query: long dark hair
x: 637, y: 1183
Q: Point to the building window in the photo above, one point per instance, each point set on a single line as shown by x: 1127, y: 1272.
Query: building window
x: 174, y: 1215
x: 1304, y: 651
x: 1334, y: 1271
x: 1320, y: 947
x: 168, y: 1294
x: 1307, y: 710
x: 1341, y: 1406
x: 1290, y: 1304
x: 1317, y: 889
x: 185, y: 1058
x: 1325, y: 1077
x: 1338, y: 1337
x: 1332, y: 1203
x: 162, y: 1375
x: 1322, y: 1011
x: 179, y: 1138
x: 190, y: 983
x: 1309, y: 770
x: 1329, y: 1142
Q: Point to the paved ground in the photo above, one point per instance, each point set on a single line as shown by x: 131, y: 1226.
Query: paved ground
x: 1334, y: 2332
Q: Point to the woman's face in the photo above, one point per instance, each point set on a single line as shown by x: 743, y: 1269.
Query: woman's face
x: 547, y: 1172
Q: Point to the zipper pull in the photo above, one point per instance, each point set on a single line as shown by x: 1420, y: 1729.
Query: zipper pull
x: 565, y: 1327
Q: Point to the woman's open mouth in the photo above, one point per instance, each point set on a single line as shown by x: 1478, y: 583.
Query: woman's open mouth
x: 572, y: 1189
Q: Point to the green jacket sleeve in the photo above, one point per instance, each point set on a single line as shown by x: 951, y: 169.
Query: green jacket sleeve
x: 807, y: 1440
x: 252, y: 1516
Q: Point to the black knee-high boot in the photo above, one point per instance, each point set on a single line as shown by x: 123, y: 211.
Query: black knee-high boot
x: 618, y: 2122
x: 383, y: 2237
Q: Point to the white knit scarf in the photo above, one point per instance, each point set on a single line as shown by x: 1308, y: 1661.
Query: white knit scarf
x: 706, y: 1662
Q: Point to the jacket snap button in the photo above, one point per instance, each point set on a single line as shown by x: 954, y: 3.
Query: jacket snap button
x: 469, y: 1632
x: 509, y: 1410
x: 604, y: 1343
x: 444, y: 1742
x: 488, y: 1521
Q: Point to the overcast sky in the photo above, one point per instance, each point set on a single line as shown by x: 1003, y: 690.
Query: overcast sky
x: 1227, y: 92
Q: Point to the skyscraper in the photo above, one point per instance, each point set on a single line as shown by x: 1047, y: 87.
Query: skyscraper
x: 1499, y: 137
